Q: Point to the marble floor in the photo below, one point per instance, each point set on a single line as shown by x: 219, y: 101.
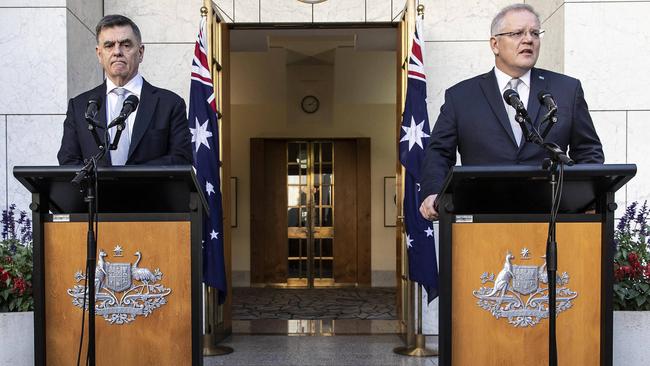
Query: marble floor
x: 317, y: 327
x: 340, y: 350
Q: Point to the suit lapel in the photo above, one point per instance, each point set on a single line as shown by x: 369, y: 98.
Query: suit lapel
x: 145, y: 112
x: 537, y: 84
x: 493, y: 95
x: 100, y: 91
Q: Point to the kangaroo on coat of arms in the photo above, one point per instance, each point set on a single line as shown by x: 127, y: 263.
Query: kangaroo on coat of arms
x: 123, y: 290
x: 506, y: 298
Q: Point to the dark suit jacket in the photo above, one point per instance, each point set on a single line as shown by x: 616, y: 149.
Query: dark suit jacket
x: 474, y: 120
x: 161, y: 134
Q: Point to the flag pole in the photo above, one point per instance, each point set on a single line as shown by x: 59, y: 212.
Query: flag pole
x: 210, y: 303
x: 419, y: 349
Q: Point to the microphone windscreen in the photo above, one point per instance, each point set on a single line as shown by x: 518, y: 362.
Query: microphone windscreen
x: 543, y: 95
x: 508, y: 94
x: 132, y: 100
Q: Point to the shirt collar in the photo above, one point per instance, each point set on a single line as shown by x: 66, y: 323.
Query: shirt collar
x: 134, y: 86
x: 503, y: 79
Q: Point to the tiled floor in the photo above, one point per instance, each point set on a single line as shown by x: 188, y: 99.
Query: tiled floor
x: 341, y: 350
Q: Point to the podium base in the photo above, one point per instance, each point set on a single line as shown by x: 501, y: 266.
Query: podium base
x: 217, y: 350
x: 211, y: 348
x: 419, y: 350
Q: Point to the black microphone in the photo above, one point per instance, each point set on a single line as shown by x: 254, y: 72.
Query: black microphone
x: 130, y: 105
x: 547, y: 99
x: 93, y: 106
x: 512, y: 98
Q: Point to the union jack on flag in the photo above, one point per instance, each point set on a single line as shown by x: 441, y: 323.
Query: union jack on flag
x: 205, y: 138
x: 414, y: 137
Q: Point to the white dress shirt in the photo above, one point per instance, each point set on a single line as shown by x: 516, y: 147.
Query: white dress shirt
x: 523, y: 90
x: 133, y: 87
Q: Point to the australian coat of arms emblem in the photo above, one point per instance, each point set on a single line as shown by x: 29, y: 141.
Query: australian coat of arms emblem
x: 123, y: 290
x: 519, y: 292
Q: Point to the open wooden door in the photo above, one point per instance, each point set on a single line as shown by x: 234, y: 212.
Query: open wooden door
x: 405, y: 33
x: 218, y: 318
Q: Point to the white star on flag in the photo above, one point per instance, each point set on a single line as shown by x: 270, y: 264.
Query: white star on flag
x: 214, y: 235
x: 409, y: 241
x: 209, y: 188
x: 429, y: 231
x: 200, y: 134
x: 414, y: 134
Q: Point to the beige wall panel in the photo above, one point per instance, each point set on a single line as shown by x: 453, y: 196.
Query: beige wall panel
x: 160, y: 20
x: 169, y: 66
x: 340, y: 11
x: 551, y: 56
x: 33, y: 140
x: 89, y: 12
x: 282, y: 11
x: 84, y: 71
x: 638, y: 151
x: 26, y: 33
x: 609, y: 63
x: 247, y: 11
x: 449, y: 20
x: 378, y: 11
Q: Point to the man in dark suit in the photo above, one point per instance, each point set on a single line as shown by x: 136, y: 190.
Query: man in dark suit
x: 157, y: 132
x: 476, y: 121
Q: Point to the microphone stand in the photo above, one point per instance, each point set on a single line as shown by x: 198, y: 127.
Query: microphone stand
x: 558, y: 159
x: 87, y: 176
x: 551, y: 118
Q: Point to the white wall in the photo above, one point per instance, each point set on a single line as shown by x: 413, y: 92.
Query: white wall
x: 46, y: 56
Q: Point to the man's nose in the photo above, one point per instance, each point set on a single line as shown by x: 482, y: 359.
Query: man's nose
x: 117, y: 50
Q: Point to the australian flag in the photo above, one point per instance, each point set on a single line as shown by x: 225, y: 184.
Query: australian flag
x: 205, y: 147
x: 414, y: 135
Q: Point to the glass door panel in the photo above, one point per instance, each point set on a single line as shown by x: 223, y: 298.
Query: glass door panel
x: 310, y: 208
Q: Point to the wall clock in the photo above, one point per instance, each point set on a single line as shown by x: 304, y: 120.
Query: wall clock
x: 310, y: 104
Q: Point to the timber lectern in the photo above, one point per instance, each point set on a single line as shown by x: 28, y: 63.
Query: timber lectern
x: 148, y: 276
x: 493, y: 282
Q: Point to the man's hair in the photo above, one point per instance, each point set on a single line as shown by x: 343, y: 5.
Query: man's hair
x: 116, y: 20
x: 497, y: 22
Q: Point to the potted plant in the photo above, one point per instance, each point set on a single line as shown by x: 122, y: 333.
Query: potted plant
x: 632, y: 287
x: 16, y: 300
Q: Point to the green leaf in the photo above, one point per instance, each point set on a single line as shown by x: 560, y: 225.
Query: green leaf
x: 640, y: 300
x: 645, y: 287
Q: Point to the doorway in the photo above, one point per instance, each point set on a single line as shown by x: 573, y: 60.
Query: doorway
x: 313, y: 228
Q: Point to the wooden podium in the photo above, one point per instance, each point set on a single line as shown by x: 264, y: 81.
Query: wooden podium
x: 149, y: 299
x: 493, y: 286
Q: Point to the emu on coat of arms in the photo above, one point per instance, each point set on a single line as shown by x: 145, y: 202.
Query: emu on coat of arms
x: 123, y: 290
x: 506, y: 298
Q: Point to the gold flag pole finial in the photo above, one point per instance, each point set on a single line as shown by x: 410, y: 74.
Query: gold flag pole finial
x: 204, y: 11
x: 421, y: 10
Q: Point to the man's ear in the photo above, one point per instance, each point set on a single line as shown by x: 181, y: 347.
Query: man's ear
x: 494, y: 45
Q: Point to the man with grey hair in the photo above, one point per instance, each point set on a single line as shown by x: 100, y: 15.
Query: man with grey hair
x: 156, y: 132
x: 476, y: 121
